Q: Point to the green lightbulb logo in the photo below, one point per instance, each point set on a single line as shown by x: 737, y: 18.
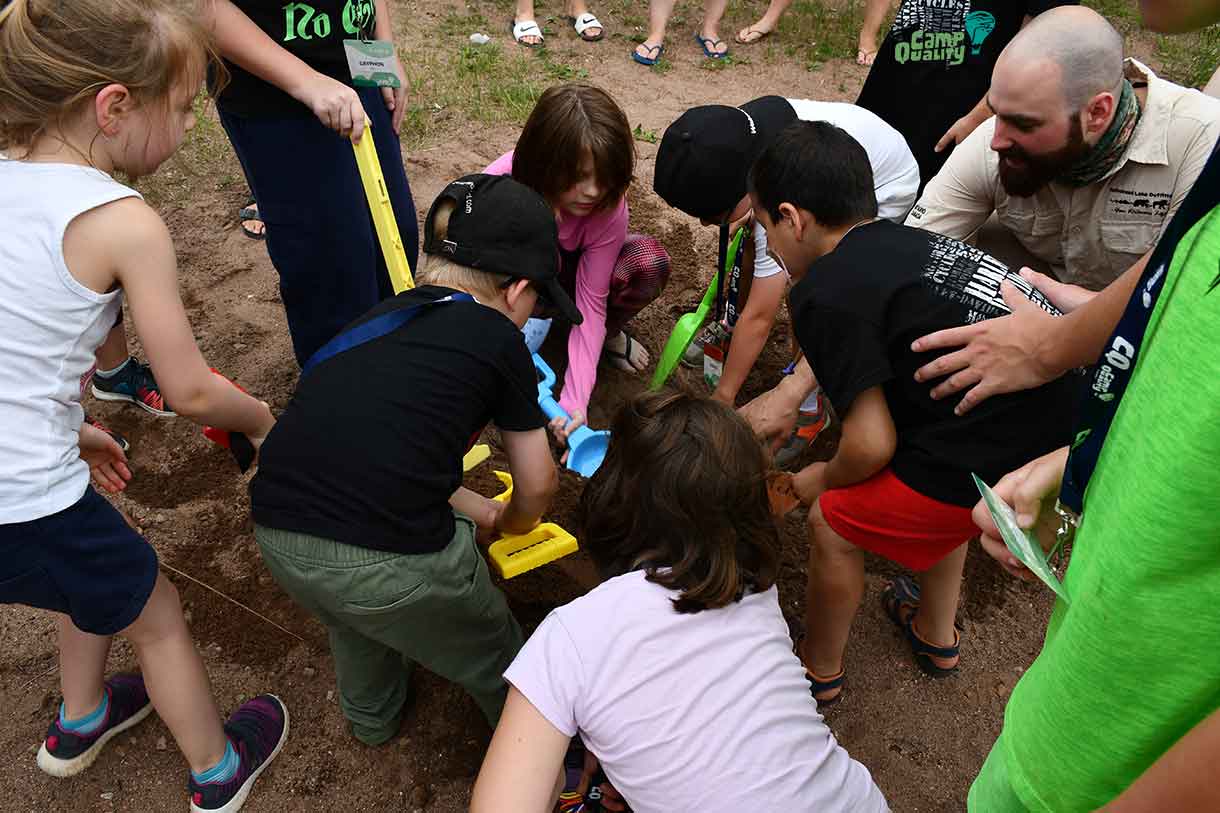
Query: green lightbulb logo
x: 979, y: 25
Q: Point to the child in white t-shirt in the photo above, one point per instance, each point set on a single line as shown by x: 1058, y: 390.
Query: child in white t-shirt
x: 677, y: 671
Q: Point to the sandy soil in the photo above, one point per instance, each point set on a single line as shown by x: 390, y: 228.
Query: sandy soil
x: 924, y: 741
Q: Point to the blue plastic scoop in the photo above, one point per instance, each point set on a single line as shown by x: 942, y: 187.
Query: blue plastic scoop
x: 586, y: 447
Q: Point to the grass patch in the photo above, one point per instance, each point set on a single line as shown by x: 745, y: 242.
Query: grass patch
x: 822, y: 31
x: 647, y: 136
x: 1190, y: 59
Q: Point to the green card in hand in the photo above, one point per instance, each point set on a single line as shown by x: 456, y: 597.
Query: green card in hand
x: 1018, y: 541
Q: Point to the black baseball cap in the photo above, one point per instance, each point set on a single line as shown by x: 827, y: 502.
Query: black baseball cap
x: 706, y: 154
x: 501, y: 226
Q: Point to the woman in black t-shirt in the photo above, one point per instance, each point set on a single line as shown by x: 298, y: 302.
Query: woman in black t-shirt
x: 289, y: 108
x: 930, y: 76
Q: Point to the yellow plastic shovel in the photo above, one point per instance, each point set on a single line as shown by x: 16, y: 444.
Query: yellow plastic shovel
x: 383, y: 211
x: 513, y: 555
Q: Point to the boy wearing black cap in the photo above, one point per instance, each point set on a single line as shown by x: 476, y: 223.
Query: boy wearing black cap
x: 358, y: 505
x: 701, y: 169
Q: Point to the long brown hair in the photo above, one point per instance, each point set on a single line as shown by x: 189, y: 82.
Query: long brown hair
x: 569, y: 122
x: 55, y: 56
x: 682, y: 495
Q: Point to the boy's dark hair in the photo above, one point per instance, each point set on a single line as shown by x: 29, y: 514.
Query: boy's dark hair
x: 682, y: 495
x: 817, y: 167
x: 567, y: 122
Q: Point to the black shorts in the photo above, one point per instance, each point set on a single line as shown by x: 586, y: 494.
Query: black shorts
x: 84, y: 561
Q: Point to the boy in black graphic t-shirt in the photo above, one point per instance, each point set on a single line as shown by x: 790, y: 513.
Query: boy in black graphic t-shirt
x: 899, y: 484
x: 358, y: 504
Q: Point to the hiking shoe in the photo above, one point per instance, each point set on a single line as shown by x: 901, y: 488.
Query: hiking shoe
x: 808, y: 426
x: 119, y: 439
x: 65, y: 753
x: 257, y: 732
x: 693, y: 355
x: 133, y: 382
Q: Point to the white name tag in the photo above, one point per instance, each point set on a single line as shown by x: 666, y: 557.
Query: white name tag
x: 372, y: 63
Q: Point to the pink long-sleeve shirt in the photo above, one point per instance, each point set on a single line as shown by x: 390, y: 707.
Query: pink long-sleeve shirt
x: 599, y: 237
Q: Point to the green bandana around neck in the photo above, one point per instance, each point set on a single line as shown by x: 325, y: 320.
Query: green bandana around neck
x: 1105, y: 154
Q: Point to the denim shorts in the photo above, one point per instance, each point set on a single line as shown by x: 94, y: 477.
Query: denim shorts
x: 84, y: 561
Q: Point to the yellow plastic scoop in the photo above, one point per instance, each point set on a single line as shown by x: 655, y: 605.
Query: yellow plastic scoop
x: 477, y: 454
x: 382, y: 211
x: 514, y: 555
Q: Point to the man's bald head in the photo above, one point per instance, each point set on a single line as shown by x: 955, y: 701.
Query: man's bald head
x: 1073, y: 44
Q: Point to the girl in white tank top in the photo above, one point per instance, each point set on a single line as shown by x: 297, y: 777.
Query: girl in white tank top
x: 75, y: 106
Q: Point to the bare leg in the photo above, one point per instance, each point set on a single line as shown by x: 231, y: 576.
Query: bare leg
x: 175, y: 678
x: 658, y: 18
x: 833, y: 594
x: 713, y: 10
x: 525, y: 11
x: 940, y: 587
x: 766, y: 24
x: 82, y: 668
x: 113, y: 352
x: 870, y: 30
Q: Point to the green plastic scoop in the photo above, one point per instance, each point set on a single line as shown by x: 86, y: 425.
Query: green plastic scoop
x: 689, y: 323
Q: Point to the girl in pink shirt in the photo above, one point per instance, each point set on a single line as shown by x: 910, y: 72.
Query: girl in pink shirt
x: 576, y: 150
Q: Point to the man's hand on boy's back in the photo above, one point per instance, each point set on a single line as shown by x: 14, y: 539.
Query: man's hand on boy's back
x: 1030, y: 490
x: 994, y: 356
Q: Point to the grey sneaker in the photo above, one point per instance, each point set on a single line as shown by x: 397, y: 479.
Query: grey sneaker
x: 693, y: 356
x: 808, y: 426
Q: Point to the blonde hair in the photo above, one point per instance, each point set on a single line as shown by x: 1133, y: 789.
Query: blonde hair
x: 56, y: 55
x: 484, y: 286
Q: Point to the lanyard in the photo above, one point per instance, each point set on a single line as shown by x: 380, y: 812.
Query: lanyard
x: 1113, y: 370
x: 374, y: 328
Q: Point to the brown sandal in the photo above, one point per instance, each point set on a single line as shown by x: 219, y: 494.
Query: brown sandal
x: 820, y: 685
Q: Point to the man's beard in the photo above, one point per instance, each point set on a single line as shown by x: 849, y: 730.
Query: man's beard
x: 1035, y: 171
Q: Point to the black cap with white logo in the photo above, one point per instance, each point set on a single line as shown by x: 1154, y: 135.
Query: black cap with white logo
x: 706, y: 154
x: 501, y: 226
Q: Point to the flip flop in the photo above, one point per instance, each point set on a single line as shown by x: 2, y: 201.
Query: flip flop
x: 710, y: 53
x: 527, y: 28
x: 748, y: 39
x: 865, y: 58
x: 249, y: 213
x: 621, y: 360
x: 655, y: 50
x: 584, y: 22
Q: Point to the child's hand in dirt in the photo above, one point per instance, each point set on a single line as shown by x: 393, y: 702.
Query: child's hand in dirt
x: 107, y: 462
x: 335, y: 104
x: 561, y: 429
x: 1030, y: 490
x: 772, y: 416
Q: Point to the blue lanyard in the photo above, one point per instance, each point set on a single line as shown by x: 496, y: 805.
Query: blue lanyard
x: 374, y: 328
x: 1113, y: 370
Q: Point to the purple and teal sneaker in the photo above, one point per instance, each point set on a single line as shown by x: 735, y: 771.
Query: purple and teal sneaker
x: 257, y: 732
x: 65, y: 753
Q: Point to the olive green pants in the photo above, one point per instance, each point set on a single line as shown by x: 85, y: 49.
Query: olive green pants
x: 387, y: 611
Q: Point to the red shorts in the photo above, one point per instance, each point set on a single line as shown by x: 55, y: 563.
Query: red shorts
x: 885, y: 516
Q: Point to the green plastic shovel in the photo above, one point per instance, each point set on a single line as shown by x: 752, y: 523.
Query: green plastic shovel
x: 689, y: 323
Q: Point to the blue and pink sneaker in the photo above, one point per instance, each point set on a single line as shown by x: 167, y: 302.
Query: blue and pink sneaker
x: 257, y: 732
x: 65, y: 753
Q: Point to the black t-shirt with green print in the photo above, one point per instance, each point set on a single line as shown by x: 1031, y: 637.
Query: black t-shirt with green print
x: 935, y: 65
x: 312, y: 30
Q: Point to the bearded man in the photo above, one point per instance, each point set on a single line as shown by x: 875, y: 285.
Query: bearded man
x: 1087, y: 156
